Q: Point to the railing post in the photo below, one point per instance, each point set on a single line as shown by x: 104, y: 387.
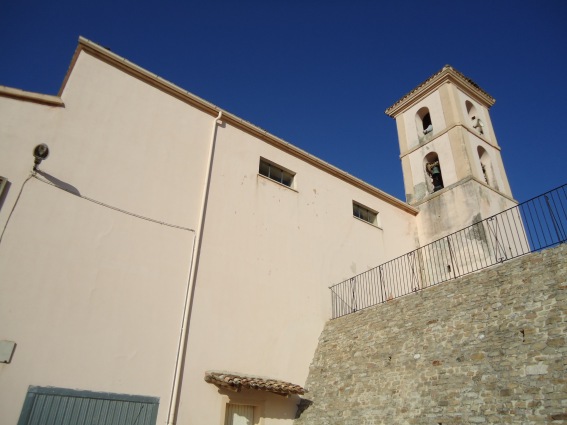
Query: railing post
x: 381, y: 283
x: 560, y: 236
x: 352, y: 288
x: 497, y: 244
x: 453, y: 268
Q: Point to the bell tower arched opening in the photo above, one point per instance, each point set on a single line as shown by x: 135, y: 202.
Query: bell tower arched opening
x: 475, y: 120
x: 486, y: 167
x: 423, y: 122
x: 434, y: 177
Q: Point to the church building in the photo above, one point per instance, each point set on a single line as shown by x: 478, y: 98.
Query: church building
x: 163, y: 261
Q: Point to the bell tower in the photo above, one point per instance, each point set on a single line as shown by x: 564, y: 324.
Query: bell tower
x: 451, y: 162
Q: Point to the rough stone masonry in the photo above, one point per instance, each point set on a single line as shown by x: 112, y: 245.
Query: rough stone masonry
x: 488, y: 348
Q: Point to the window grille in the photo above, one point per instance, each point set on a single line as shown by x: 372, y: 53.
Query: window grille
x: 363, y: 213
x: 276, y: 173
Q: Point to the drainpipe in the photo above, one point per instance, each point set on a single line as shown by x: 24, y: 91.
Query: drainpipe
x: 195, y: 255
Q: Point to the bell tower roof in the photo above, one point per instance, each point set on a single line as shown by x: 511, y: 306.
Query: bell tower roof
x: 448, y: 74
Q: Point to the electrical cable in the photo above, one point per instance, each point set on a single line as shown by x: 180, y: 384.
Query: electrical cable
x: 109, y: 206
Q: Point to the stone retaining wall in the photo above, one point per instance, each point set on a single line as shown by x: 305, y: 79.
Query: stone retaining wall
x: 486, y: 348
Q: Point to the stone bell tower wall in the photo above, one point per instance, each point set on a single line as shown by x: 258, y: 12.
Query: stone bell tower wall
x: 486, y: 348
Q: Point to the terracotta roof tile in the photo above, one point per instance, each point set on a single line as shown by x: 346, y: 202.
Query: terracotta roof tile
x: 237, y: 381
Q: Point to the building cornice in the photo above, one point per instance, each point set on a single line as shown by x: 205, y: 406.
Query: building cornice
x: 448, y: 74
x: 446, y: 130
x: 136, y: 71
x: 28, y: 96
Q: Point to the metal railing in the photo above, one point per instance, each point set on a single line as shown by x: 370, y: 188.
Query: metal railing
x: 538, y: 223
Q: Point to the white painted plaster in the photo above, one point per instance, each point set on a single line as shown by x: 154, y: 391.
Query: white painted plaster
x: 94, y: 291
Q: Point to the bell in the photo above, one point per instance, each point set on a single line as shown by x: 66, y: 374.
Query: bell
x: 435, y: 171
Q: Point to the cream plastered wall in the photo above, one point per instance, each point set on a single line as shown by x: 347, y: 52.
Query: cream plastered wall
x: 435, y: 106
x: 268, y: 407
x: 269, y: 255
x: 94, y: 297
x: 455, y: 208
x: 99, y: 307
x: 140, y: 148
x: 23, y: 125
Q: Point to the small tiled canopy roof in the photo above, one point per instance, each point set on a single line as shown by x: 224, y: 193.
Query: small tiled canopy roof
x: 236, y: 382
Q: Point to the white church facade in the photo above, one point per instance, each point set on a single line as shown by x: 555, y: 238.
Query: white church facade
x: 168, y: 261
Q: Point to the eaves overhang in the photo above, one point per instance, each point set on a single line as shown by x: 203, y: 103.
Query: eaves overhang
x: 236, y: 382
x: 130, y: 68
x: 28, y: 96
x: 448, y: 74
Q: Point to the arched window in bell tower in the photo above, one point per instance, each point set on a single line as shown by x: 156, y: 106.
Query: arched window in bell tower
x: 433, y: 172
x: 475, y: 120
x: 486, y: 167
x: 423, y: 122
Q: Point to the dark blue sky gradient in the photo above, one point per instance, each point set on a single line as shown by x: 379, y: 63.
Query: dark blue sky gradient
x: 320, y: 74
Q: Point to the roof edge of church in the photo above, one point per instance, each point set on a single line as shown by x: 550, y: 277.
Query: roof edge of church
x: 28, y: 96
x: 118, y: 61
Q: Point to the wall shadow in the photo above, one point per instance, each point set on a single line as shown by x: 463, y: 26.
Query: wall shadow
x: 59, y: 183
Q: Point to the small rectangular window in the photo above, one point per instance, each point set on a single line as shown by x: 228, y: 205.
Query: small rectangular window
x: 276, y: 173
x: 364, y: 213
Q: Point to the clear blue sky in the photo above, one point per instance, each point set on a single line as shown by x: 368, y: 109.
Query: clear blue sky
x: 320, y: 74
